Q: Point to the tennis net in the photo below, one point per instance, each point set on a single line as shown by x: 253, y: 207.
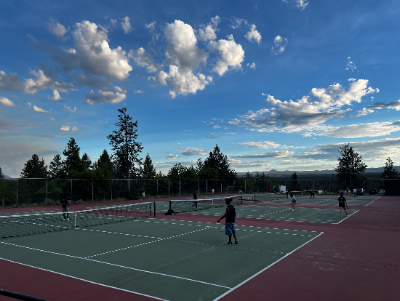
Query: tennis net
x: 28, y: 224
x: 179, y: 206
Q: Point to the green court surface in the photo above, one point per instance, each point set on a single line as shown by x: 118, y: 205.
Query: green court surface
x: 166, y: 259
x: 311, y: 215
x: 310, y: 201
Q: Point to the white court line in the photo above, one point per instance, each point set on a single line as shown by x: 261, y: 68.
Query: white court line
x: 146, y: 243
x: 345, y: 218
x: 248, y: 279
x: 81, y: 279
x: 116, y: 265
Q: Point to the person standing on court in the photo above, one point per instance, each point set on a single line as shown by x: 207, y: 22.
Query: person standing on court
x: 293, y: 204
x: 143, y: 196
x: 312, y: 194
x: 195, y: 198
x: 230, y: 215
x: 342, y: 204
x: 65, y: 208
x: 212, y: 192
x: 355, y: 192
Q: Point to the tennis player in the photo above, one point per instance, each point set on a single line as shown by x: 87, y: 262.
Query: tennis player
x: 65, y: 208
x: 195, y: 198
x: 230, y: 215
x: 312, y: 194
x: 342, y: 204
x: 143, y: 196
x: 293, y: 204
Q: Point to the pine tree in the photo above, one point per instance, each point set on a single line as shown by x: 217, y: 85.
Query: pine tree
x: 57, y: 168
x: 73, y: 160
x: 125, y: 147
x: 34, y: 168
x: 149, y: 170
x: 350, y: 166
x: 86, y: 162
x: 389, y: 172
x: 1, y: 174
x: 220, y: 163
x: 104, y: 166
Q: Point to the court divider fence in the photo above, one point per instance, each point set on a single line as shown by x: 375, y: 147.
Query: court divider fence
x: 24, y: 192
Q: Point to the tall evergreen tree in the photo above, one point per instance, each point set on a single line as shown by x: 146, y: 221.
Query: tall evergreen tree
x: 389, y: 172
x: 350, y: 166
x: 57, y: 168
x: 34, y: 168
x: 72, y: 158
x: 220, y: 163
x: 86, y: 162
x: 104, y: 165
x: 149, y: 170
x: 125, y: 147
x: 1, y: 174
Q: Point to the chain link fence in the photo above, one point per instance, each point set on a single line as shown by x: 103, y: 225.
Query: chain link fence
x: 47, y: 192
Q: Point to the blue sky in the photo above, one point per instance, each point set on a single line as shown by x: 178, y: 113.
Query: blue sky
x: 278, y: 84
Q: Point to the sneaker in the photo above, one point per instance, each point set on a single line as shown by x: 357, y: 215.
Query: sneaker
x: 228, y: 243
x: 67, y: 218
x: 236, y: 242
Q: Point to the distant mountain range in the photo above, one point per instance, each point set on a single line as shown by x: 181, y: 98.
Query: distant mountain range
x: 274, y: 172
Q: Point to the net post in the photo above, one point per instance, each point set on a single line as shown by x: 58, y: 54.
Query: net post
x: 154, y: 204
x: 75, y: 218
x: 170, y: 205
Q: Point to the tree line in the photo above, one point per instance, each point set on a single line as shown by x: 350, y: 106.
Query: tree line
x: 124, y: 162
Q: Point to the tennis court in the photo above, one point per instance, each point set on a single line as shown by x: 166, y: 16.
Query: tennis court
x: 166, y: 259
x: 311, y: 215
x: 321, y: 201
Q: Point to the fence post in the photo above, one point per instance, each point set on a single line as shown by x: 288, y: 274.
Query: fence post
x: 198, y: 186
x: 221, y: 186
x: 111, y: 188
x: 206, y: 186
x: 169, y: 187
x: 46, y: 193
x: 157, y: 187
x: 245, y: 185
x: 16, y: 203
x: 92, y: 190
x: 70, y: 197
x: 179, y: 187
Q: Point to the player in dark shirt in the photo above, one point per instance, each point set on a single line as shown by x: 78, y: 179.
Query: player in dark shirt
x: 195, y: 198
x: 230, y: 215
x: 342, y: 204
x: 65, y: 208
x: 312, y: 193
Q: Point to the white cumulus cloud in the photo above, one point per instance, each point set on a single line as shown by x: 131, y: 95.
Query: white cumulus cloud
x: 126, y: 25
x: 230, y: 54
x: 92, y: 98
x: 69, y: 109
x: 94, y: 52
x: 57, y: 29
x: 279, y: 45
x: 40, y: 110
x: 208, y: 32
x: 253, y: 35
x: 56, y: 96
x: 6, y: 102
x: 308, y: 112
